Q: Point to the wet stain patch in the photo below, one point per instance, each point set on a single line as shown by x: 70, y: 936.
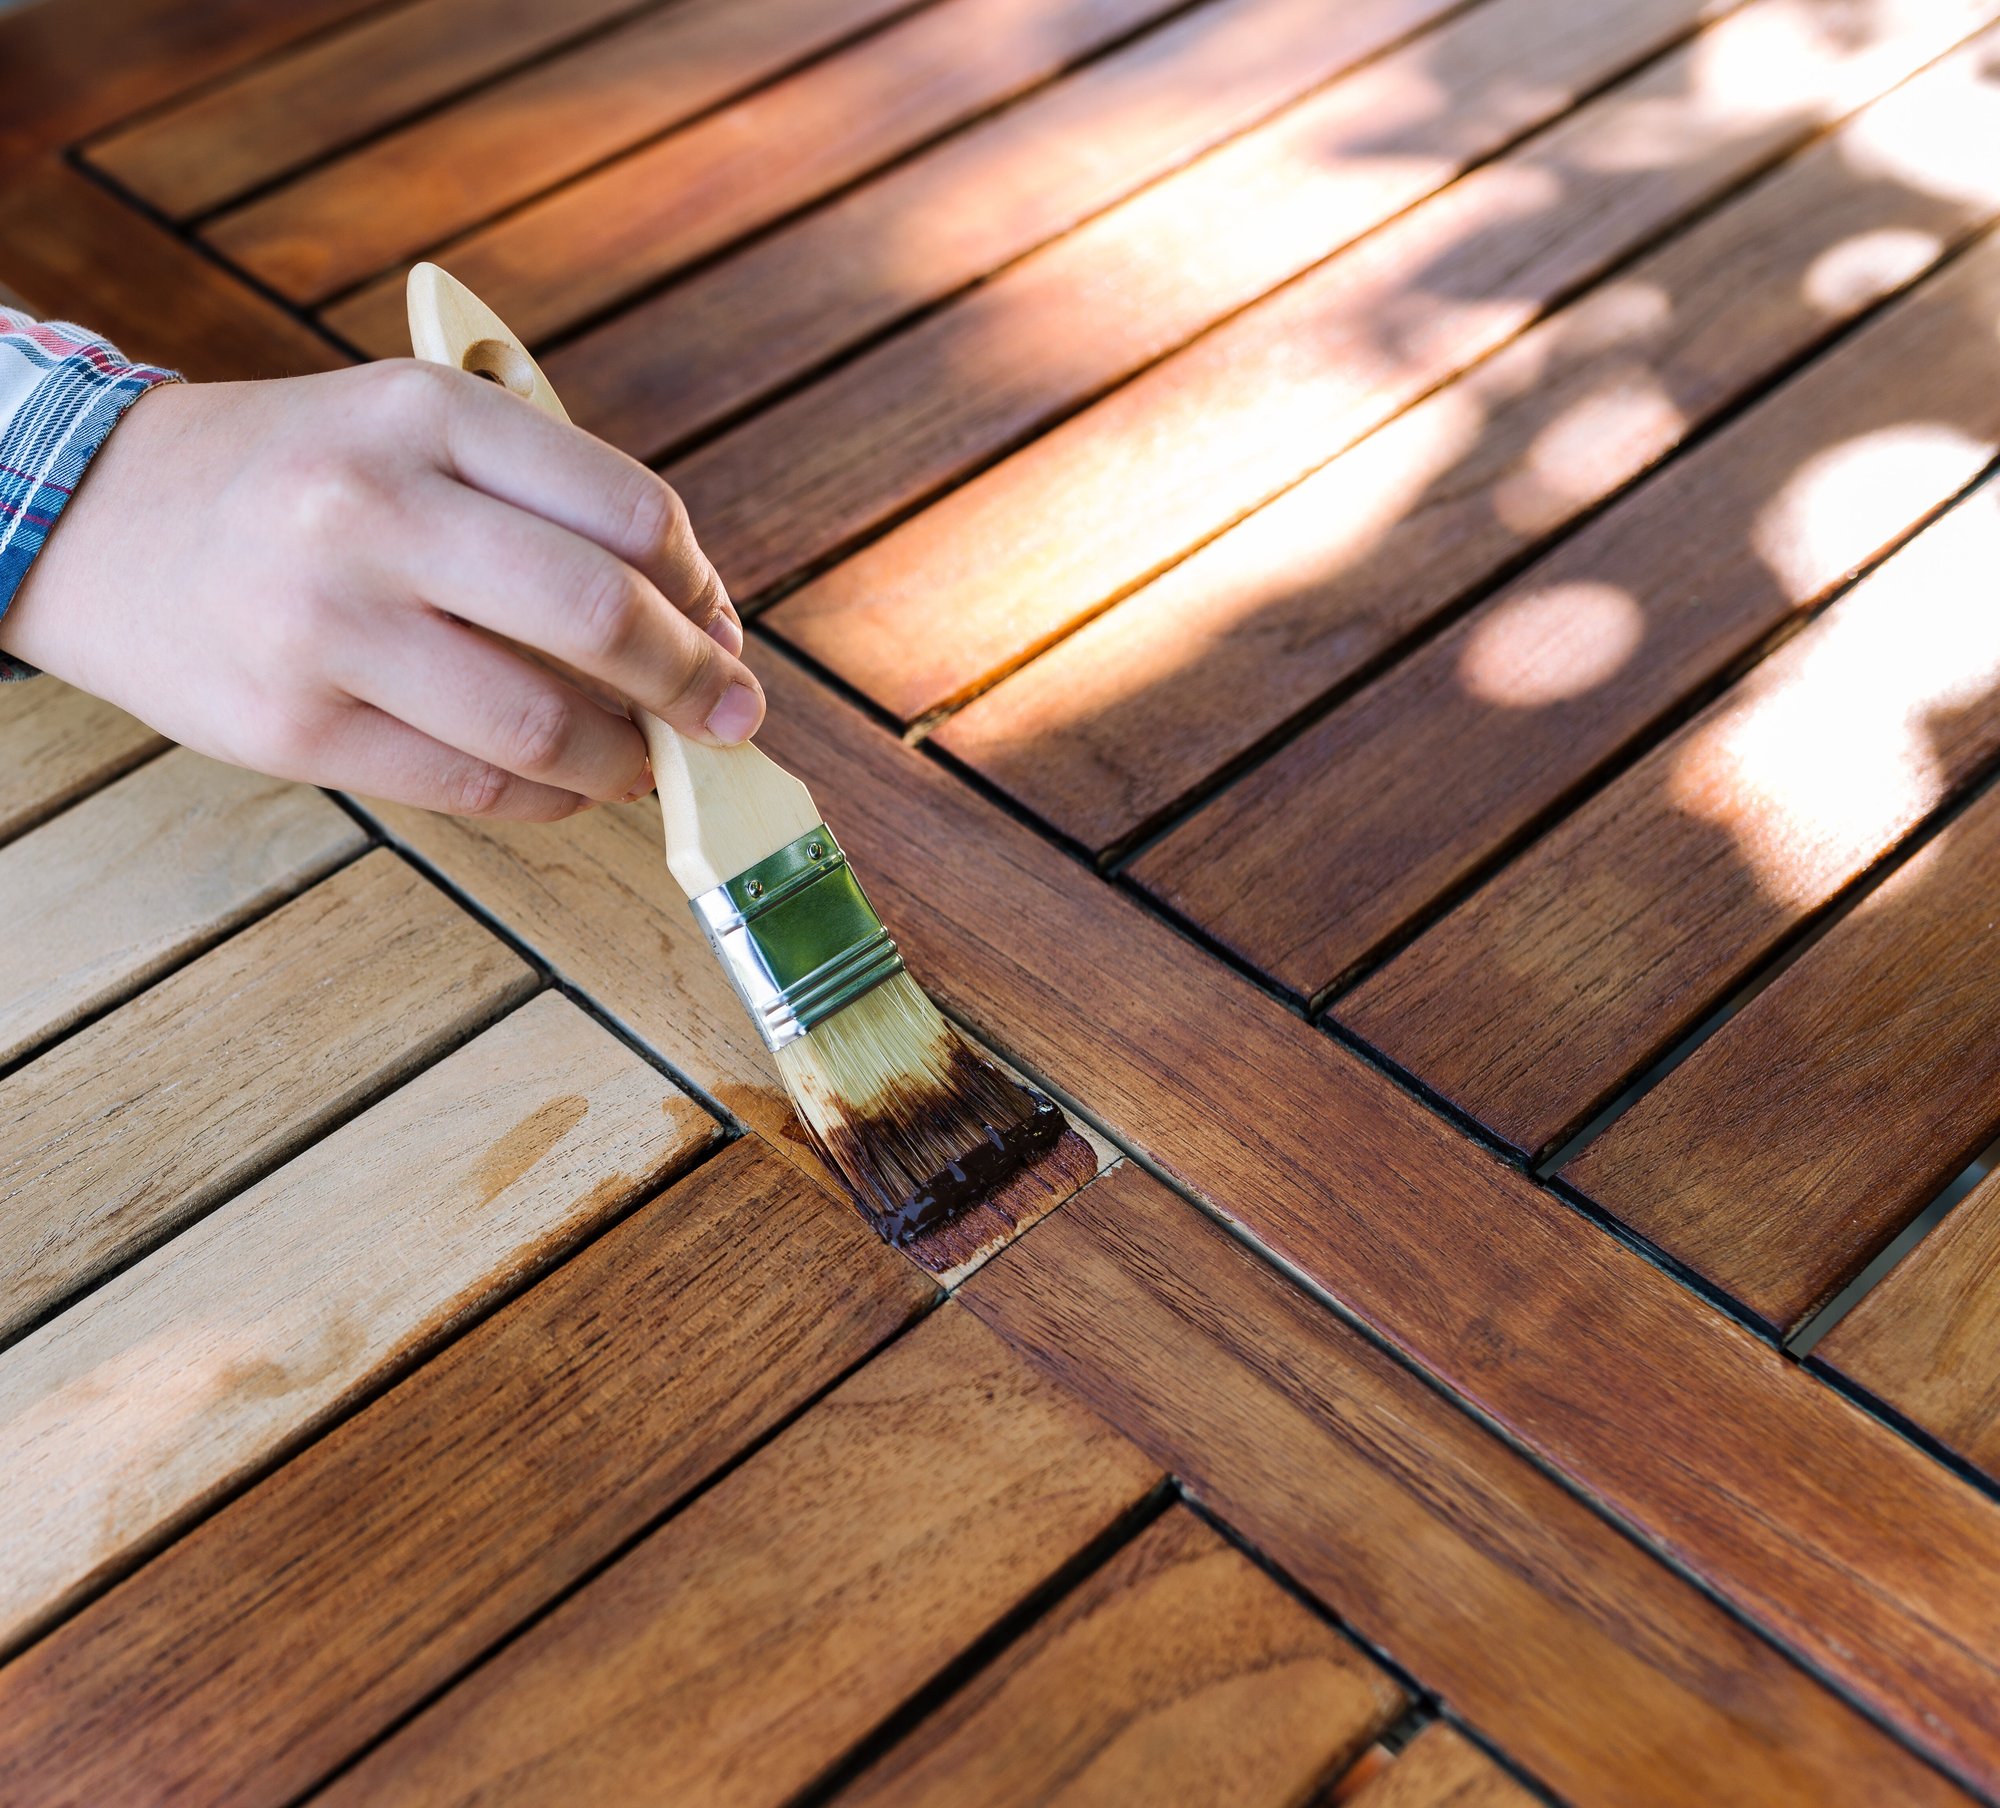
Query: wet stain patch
x: 956, y: 1248
x: 524, y: 1145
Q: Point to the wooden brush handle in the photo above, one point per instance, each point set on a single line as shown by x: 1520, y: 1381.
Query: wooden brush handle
x: 724, y: 808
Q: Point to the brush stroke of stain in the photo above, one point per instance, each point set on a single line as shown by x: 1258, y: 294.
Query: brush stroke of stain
x: 524, y: 1145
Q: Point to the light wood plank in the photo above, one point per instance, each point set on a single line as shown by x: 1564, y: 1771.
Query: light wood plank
x: 746, y: 1645
x: 149, y: 870
x: 1617, y: 933
x: 615, y: 230
x: 1795, y: 1142
x: 801, y: 481
x: 295, y: 108
x: 1441, y: 1768
x: 1114, y: 726
x: 1608, y: 1676
x: 1178, y: 1672
x: 391, y: 198
x: 1924, y: 1338
x: 58, y: 744
x: 181, y: 1376
x: 677, y: 363
x: 1307, y: 865
x: 155, y: 1113
x: 305, y: 1617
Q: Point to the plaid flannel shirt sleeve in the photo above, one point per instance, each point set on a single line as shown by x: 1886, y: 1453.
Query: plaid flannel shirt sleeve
x: 62, y: 390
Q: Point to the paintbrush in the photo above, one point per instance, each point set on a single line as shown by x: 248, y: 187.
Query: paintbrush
x: 901, y: 1106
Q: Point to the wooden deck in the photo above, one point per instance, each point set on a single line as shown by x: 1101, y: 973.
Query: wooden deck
x: 1395, y: 599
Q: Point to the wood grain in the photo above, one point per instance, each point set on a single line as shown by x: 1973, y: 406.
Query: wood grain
x: 1441, y: 1768
x: 752, y: 1640
x: 679, y: 362
x: 1802, y: 1513
x: 168, y: 1105
x: 1922, y: 1339
x: 1308, y: 864
x: 1603, y: 1672
x: 612, y: 232
x: 805, y: 478
x: 1260, y: 623
x: 439, y: 175
x: 145, y: 873
x: 947, y: 602
x: 56, y: 745
x: 1617, y: 933
x: 305, y: 1617
x: 293, y: 109
x: 181, y: 1376
x: 1795, y: 1142
x: 1178, y: 1672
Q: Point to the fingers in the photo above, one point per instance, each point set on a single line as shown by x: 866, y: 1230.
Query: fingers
x: 381, y: 757
x: 456, y: 686
x: 529, y: 580
x: 498, y: 444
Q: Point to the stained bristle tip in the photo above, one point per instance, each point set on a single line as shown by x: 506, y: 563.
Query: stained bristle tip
x: 908, y: 1113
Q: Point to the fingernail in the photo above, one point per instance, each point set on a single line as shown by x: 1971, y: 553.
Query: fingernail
x: 736, y: 717
x: 728, y: 631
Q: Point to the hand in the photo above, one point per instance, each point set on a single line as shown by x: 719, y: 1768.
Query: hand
x: 398, y: 580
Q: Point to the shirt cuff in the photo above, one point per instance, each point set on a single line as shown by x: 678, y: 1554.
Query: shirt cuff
x: 62, y: 390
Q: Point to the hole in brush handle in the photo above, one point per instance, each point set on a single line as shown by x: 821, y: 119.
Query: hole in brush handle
x: 500, y: 362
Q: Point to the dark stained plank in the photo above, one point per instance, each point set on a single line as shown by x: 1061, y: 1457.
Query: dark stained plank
x: 1178, y: 1672
x: 178, y: 1378
x: 636, y: 221
x: 676, y: 363
x: 441, y: 174
x: 281, y: 1635
x: 158, y: 1111
x: 73, y: 251
x: 56, y: 745
x: 1857, y: 1549
x: 1261, y: 622
x: 170, y: 858
x: 1923, y: 1339
x: 1604, y: 1673
x: 802, y: 480
x: 595, y: 901
x: 753, y: 1639
x: 1310, y: 862
x: 295, y: 108
x: 67, y: 70
x: 1795, y: 1142
x: 1618, y: 932
x: 1441, y: 1768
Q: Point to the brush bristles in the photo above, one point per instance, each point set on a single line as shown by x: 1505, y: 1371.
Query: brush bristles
x: 916, y: 1123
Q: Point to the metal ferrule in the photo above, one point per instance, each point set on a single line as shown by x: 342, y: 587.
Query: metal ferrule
x: 797, y: 937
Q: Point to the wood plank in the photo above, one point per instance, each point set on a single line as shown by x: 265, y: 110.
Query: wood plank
x: 58, y: 744
x: 1441, y: 1768
x: 307, y: 1616
x: 674, y: 364
x: 764, y: 1630
x: 1307, y: 865
x: 162, y: 1109
x: 635, y: 222
x: 598, y: 906
x: 1616, y: 934
x: 1795, y: 1142
x: 1922, y: 1339
x: 1178, y: 1672
x: 73, y: 251
x: 346, y: 220
x: 1261, y: 622
x: 1858, y: 1550
x: 180, y: 1377
x: 1538, y: 1622
x: 296, y: 108
x: 151, y: 869
x: 805, y: 478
